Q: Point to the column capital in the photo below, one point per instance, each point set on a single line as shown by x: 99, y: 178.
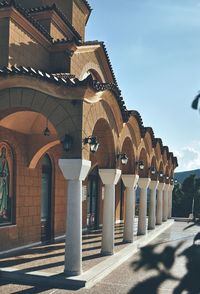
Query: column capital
x: 110, y: 176
x: 153, y: 185
x: 74, y: 169
x: 161, y: 186
x: 130, y: 181
x: 144, y: 183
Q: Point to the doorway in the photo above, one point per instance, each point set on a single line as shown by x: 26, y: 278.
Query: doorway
x: 46, y: 200
x: 92, y: 200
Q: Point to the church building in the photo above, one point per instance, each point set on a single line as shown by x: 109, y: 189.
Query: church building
x: 71, y: 154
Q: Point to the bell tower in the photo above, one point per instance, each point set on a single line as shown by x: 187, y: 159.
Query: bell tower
x: 76, y: 11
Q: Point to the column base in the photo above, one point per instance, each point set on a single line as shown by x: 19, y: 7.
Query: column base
x: 151, y: 228
x: 159, y: 223
x: 141, y: 233
x: 106, y: 253
x: 127, y: 241
x: 73, y: 273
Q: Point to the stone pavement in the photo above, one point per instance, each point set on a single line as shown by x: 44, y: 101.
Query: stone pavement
x: 120, y: 280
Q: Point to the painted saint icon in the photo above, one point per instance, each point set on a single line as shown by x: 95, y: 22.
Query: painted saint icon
x: 4, y: 184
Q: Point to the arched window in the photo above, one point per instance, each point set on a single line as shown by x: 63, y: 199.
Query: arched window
x: 6, y: 185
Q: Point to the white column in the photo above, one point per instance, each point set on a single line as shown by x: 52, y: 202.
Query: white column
x: 159, y: 204
x: 130, y: 182
x: 75, y: 171
x: 165, y: 202
x: 152, y: 205
x: 171, y: 188
x: 143, y: 185
x: 109, y: 178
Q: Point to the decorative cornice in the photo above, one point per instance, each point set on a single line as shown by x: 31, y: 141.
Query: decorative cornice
x: 68, y: 80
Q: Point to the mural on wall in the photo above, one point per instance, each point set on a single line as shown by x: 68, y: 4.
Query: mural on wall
x: 6, y: 168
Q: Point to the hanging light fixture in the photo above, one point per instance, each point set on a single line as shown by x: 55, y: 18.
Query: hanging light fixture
x: 123, y: 157
x: 46, y: 131
x: 92, y: 141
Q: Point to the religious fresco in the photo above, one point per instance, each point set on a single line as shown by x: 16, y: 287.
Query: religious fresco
x: 6, y: 182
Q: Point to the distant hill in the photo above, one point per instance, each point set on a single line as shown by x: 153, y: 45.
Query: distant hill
x: 181, y: 176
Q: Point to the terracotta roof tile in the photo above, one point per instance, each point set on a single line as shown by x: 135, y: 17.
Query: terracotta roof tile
x: 68, y: 80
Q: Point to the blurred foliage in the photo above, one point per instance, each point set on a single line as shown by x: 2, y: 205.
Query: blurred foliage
x: 184, y: 195
x: 163, y: 262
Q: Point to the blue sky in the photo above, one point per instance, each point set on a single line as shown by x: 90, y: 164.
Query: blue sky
x: 154, y: 47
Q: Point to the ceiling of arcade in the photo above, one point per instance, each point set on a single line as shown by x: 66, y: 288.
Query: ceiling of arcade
x: 27, y: 122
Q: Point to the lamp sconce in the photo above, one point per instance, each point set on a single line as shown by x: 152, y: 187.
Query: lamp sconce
x: 92, y: 141
x: 161, y: 174
x: 153, y: 170
x: 167, y: 178
x: 140, y: 164
x: 46, y: 131
x: 123, y: 157
x: 171, y: 181
x: 67, y: 142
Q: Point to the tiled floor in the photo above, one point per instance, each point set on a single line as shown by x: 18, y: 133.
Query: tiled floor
x: 121, y: 280
x: 51, y: 257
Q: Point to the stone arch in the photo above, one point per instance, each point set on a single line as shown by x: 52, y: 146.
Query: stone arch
x: 64, y: 115
x: 92, y: 68
x: 158, y: 153
x: 127, y: 148
x: 92, y: 114
x: 143, y: 156
x: 105, y: 157
x: 31, y: 125
x: 40, y: 153
x: 54, y: 109
x: 135, y: 129
x: 165, y: 154
x: 148, y: 137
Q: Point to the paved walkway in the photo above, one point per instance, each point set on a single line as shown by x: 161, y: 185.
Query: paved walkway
x: 119, y: 281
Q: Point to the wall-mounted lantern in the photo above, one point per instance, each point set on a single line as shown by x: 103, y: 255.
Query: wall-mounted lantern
x: 123, y: 157
x: 140, y: 164
x: 153, y: 170
x: 67, y: 142
x: 92, y: 141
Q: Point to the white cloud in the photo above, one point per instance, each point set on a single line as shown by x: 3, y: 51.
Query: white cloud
x: 188, y: 157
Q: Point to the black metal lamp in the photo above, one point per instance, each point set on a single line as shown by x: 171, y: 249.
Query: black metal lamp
x: 140, y: 164
x: 161, y: 174
x: 67, y: 142
x: 153, y: 170
x: 167, y: 178
x: 92, y: 141
x: 123, y: 157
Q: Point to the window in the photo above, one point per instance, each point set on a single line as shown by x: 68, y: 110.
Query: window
x: 6, y: 184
